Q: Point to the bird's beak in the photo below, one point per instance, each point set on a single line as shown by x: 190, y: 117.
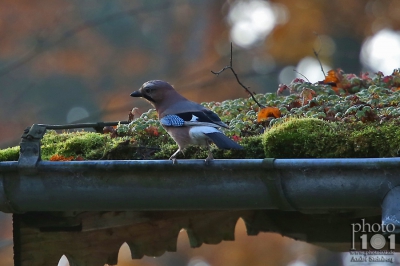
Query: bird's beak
x: 136, y: 94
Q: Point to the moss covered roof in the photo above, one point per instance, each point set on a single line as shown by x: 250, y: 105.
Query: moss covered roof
x: 355, y: 117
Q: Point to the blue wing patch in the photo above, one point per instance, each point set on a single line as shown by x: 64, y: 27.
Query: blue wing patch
x: 172, y: 121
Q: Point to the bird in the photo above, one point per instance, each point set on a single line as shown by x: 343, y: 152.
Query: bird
x: 187, y: 122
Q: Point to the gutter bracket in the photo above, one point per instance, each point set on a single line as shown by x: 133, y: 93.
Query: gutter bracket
x: 391, y: 209
x: 29, y: 154
x: 273, y: 182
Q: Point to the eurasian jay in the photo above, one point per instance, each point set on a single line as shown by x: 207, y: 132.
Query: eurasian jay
x: 187, y: 122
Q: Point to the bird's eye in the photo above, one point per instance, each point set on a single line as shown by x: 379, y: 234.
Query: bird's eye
x: 147, y: 90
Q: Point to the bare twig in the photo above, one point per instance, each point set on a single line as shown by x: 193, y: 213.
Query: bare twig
x: 237, y: 78
x: 301, y: 75
x: 317, y: 53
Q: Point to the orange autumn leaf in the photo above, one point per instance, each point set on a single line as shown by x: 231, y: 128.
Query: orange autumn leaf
x: 152, y: 130
x: 266, y: 112
x: 57, y: 157
x: 331, y: 77
x: 334, y: 78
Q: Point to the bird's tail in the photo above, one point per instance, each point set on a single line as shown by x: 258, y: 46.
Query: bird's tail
x: 223, y: 142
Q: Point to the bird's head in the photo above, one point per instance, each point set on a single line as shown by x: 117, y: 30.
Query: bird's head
x: 153, y: 91
x: 157, y: 92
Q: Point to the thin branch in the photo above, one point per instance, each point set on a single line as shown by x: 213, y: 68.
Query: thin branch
x: 317, y: 53
x: 320, y: 42
x: 301, y: 75
x: 319, y: 61
x: 237, y: 79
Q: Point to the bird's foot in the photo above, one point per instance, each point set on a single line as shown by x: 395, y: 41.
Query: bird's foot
x: 209, y: 158
x: 173, y: 156
x: 173, y: 159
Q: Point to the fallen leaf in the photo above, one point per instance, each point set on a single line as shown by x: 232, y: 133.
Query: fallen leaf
x: 152, y: 130
x: 57, y: 157
x: 236, y: 138
x: 307, y: 95
x: 334, y: 79
x: 267, y: 112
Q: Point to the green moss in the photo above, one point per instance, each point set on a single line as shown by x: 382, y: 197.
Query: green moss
x: 293, y: 138
x: 88, y: 145
x: 191, y: 152
x: 315, y: 138
x: 9, y: 154
x: 52, y: 142
x: 303, y: 138
x: 374, y: 140
x: 166, y: 150
x: 127, y: 151
x: 252, y: 149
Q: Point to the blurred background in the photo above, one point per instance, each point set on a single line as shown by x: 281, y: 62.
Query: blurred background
x: 77, y: 61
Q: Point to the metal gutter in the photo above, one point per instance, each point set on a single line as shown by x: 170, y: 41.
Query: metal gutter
x: 296, y: 185
x: 306, y: 185
x: 314, y: 200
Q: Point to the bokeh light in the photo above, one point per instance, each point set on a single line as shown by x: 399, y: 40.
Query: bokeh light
x: 198, y: 261
x: 298, y: 263
x: 381, y: 52
x: 310, y: 68
x: 76, y: 114
x: 287, y: 74
x: 325, y: 45
x: 252, y: 21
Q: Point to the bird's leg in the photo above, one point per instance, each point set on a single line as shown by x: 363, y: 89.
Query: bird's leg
x: 210, y: 156
x: 173, y: 156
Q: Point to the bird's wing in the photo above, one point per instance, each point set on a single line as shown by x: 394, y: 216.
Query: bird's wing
x: 191, y: 113
x: 194, y: 118
x: 172, y: 121
x: 222, y: 141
